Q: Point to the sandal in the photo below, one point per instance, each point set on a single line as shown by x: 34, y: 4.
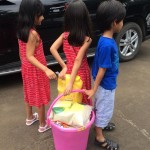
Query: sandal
x: 43, y: 129
x: 107, y: 144
x: 35, y: 118
x: 110, y: 127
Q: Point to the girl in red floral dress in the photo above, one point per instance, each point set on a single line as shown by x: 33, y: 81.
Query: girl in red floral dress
x: 76, y: 40
x: 35, y: 73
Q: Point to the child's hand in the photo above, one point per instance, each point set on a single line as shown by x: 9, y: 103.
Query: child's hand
x: 50, y: 74
x: 63, y: 73
x: 68, y: 89
x: 90, y: 93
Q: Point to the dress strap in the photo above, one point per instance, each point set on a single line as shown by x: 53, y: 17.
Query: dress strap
x: 37, y: 34
x: 65, y: 35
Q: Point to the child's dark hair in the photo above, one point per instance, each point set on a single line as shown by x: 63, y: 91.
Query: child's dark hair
x: 77, y: 22
x: 108, y: 12
x: 29, y: 9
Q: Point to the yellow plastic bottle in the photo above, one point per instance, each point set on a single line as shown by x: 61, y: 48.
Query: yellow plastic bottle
x: 75, y: 97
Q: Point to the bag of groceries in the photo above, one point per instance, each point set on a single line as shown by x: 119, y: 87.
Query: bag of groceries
x: 71, y: 113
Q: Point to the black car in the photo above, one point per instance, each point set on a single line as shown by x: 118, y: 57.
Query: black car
x: 136, y: 29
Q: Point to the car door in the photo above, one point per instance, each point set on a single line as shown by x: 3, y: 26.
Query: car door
x: 50, y: 29
x: 92, y: 6
x: 8, y: 45
x: 52, y: 26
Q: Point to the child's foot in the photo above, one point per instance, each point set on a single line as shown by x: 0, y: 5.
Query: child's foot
x: 107, y: 144
x: 110, y: 127
x: 43, y: 129
x: 31, y: 121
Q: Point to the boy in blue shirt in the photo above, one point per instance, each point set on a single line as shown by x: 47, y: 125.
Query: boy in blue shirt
x: 110, y: 15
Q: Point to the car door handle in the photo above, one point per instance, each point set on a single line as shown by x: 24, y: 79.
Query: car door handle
x: 57, y: 9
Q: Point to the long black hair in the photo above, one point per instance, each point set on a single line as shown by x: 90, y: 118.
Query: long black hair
x: 77, y: 22
x: 108, y: 12
x: 29, y: 9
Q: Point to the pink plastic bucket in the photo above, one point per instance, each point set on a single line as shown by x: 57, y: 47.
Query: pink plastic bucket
x: 66, y: 138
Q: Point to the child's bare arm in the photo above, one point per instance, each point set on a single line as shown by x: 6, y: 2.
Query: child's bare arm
x: 54, y: 50
x: 77, y: 63
x: 97, y: 82
x: 31, y: 45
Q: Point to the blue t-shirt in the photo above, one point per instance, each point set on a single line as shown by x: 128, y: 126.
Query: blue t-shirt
x: 106, y: 56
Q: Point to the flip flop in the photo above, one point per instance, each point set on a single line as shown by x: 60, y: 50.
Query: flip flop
x: 43, y: 129
x: 30, y: 122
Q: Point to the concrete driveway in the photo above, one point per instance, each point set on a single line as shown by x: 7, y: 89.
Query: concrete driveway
x: 132, y: 110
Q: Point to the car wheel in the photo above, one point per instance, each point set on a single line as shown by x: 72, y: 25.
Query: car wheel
x: 129, y: 41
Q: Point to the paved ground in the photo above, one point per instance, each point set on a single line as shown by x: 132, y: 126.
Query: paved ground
x: 132, y: 111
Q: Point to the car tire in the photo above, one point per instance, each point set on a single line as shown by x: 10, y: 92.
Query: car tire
x: 129, y: 40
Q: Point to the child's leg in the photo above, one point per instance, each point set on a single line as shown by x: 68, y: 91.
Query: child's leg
x: 99, y: 134
x: 104, y: 106
x: 43, y: 126
x: 28, y: 111
x: 31, y: 118
x: 41, y: 113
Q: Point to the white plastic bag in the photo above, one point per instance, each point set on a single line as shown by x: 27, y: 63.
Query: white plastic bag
x: 75, y: 115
